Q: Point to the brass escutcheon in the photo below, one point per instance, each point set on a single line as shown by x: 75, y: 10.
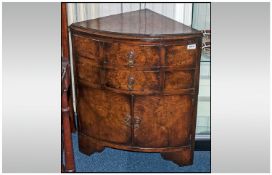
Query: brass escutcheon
x: 128, y: 120
x: 137, y: 122
x: 131, y: 82
x: 130, y: 57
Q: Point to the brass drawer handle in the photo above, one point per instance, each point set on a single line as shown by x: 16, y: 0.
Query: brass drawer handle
x: 131, y: 82
x: 137, y: 122
x: 127, y: 120
x: 130, y: 57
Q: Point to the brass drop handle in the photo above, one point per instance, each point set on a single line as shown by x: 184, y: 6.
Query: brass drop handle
x: 127, y: 120
x: 131, y: 82
x: 137, y: 122
x: 130, y: 58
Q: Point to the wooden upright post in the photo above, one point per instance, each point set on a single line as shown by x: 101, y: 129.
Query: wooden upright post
x: 65, y: 83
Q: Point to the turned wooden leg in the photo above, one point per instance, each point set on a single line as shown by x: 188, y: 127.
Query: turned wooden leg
x: 182, y: 158
x: 86, y: 146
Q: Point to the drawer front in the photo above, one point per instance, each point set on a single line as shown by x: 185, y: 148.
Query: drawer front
x: 162, y: 121
x: 88, y: 71
x: 175, y: 80
x: 130, y: 80
x: 181, y: 56
x: 87, y: 47
x: 119, y: 54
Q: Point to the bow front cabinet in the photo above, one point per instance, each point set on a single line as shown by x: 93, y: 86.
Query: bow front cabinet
x: 137, y: 81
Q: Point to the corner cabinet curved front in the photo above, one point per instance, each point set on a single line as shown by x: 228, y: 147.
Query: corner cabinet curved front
x: 136, y: 95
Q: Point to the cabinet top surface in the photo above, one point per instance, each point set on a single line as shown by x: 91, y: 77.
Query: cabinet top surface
x: 140, y: 23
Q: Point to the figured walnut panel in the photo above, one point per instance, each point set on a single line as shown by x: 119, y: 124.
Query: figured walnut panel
x: 179, y: 80
x: 117, y: 54
x: 164, y: 120
x: 142, y: 80
x: 103, y: 114
x: 87, y: 47
x: 180, y: 56
x: 88, y: 71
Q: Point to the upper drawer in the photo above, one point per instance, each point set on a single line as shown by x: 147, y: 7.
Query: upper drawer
x: 181, y: 55
x: 120, y: 54
x: 87, y: 47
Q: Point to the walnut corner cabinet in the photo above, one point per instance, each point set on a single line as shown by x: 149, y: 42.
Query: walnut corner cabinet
x: 137, y: 83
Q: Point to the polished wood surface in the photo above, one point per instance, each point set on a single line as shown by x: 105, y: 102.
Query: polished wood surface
x: 67, y: 126
x: 140, y: 22
x: 69, y: 165
x: 102, y: 115
x: 137, y: 84
x: 163, y: 121
x: 64, y: 33
x: 65, y: 57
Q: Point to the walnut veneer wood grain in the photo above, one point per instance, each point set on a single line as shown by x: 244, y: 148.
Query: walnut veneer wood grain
x: 137, y: 78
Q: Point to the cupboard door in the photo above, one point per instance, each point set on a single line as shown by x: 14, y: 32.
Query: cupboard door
x: 104, y: 115
x: 162, y: 121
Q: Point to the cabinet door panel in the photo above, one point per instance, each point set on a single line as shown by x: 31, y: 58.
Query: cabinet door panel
x: 103, y: 115
x: 162, y: 121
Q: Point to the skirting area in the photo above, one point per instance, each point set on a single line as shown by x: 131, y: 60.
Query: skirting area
x: 111, y: 160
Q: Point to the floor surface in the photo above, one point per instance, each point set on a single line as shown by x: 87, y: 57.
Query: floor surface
x: 112, y: 160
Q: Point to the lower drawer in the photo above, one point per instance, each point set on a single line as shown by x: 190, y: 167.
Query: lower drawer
x: 134, y: 80
x: 144, y: 81
x: 181, y: 79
